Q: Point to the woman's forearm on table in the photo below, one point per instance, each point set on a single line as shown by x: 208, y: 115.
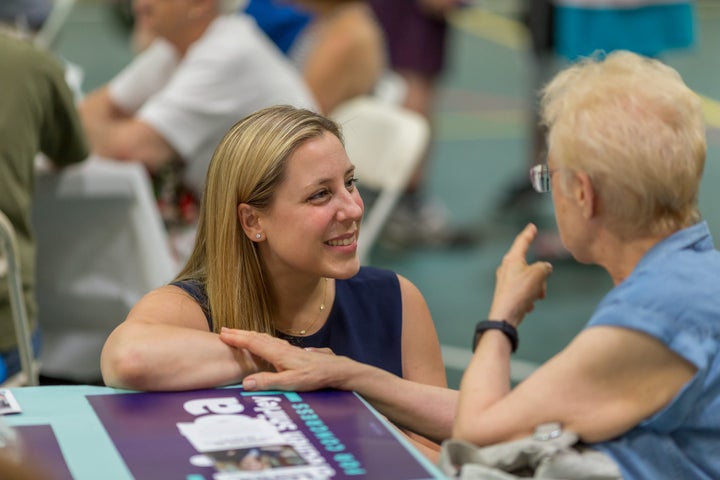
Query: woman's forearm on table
x: 164, y: 357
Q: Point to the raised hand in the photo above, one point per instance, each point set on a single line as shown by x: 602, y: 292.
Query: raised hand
x: 517, y: 284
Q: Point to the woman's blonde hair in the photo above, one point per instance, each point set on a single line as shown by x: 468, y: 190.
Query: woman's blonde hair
x: 637, y: 130
x: 247, y: 167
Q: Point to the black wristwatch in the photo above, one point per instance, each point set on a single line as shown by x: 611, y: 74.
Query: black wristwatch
x: 509, y: 331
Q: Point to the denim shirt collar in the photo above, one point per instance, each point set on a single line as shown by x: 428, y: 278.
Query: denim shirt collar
x: 697, y: 237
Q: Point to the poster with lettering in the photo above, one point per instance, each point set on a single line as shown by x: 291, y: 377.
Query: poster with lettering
x: 230, y: 434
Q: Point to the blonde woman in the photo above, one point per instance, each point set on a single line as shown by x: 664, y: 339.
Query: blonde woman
x: 275, y: 253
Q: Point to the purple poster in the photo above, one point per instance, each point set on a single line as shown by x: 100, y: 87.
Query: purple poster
x: 229, y: 434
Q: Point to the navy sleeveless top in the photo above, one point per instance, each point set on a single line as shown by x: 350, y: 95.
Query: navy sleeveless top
x: 365, y: 322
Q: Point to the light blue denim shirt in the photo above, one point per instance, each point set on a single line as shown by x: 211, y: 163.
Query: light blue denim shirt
x: 674, y: 295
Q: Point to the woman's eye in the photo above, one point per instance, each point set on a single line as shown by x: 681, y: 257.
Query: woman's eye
x: 325, y: 193
x: 319, y: 195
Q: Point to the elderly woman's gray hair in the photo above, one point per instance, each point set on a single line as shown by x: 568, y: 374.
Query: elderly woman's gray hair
x: 638, y: 131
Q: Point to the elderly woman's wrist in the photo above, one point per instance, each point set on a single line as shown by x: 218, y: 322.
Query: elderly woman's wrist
x: 505, y: 315
x: 508, y: 330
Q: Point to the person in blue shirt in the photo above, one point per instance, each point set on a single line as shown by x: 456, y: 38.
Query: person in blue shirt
x: 641, y: 383
x: 338, y: 46
x: 564, y: 31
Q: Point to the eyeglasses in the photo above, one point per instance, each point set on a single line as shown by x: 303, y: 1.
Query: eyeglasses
x: 540, y: 178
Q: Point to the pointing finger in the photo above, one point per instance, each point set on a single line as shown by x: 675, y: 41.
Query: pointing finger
x: 521, y: 244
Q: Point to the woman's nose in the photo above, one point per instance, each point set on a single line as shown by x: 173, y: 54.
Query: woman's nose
x: 351, y: 207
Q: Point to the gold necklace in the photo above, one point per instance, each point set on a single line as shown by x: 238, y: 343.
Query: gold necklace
x: 322, y: 308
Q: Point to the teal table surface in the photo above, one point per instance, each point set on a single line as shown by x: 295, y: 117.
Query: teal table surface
x: 112, y: 434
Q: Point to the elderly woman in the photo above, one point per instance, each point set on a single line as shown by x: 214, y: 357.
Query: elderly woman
x: 642, y: 382
x: 276, y: 252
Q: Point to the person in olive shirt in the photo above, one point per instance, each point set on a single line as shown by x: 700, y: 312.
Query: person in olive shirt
x: 37, y: 115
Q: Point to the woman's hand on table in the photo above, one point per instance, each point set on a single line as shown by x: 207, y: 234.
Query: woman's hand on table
x: 296, y: 369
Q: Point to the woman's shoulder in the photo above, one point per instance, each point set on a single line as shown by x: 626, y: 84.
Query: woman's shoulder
x: 191, y: 286
x: 197, y: 291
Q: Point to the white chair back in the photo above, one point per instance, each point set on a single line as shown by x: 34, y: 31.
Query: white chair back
x: 386, y: 142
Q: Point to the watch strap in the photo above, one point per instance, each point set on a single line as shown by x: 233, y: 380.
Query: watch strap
x: 506, y: 328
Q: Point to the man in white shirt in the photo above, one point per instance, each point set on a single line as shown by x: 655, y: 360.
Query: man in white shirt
x: 204, y: 71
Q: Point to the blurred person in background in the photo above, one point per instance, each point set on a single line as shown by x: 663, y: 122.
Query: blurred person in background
x: 206, y: 68
x: 25, y: 15
x: 563, y: 31
x: 37, y: 116
x: 417, y: 36
x: 337, y: 45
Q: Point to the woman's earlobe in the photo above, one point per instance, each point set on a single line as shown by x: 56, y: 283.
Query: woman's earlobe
x: 249, y: 222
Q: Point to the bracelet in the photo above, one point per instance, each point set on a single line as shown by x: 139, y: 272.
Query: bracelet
x: 509, y: 331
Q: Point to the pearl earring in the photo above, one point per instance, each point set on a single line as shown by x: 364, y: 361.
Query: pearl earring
x: 258, y: 236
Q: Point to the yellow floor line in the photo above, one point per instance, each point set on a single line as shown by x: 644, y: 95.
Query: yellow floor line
x: 496, y: 28
x: 711, y: 108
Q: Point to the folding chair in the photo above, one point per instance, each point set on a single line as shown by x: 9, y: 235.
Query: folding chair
x: 386, y: 143
x: 10, y: 268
